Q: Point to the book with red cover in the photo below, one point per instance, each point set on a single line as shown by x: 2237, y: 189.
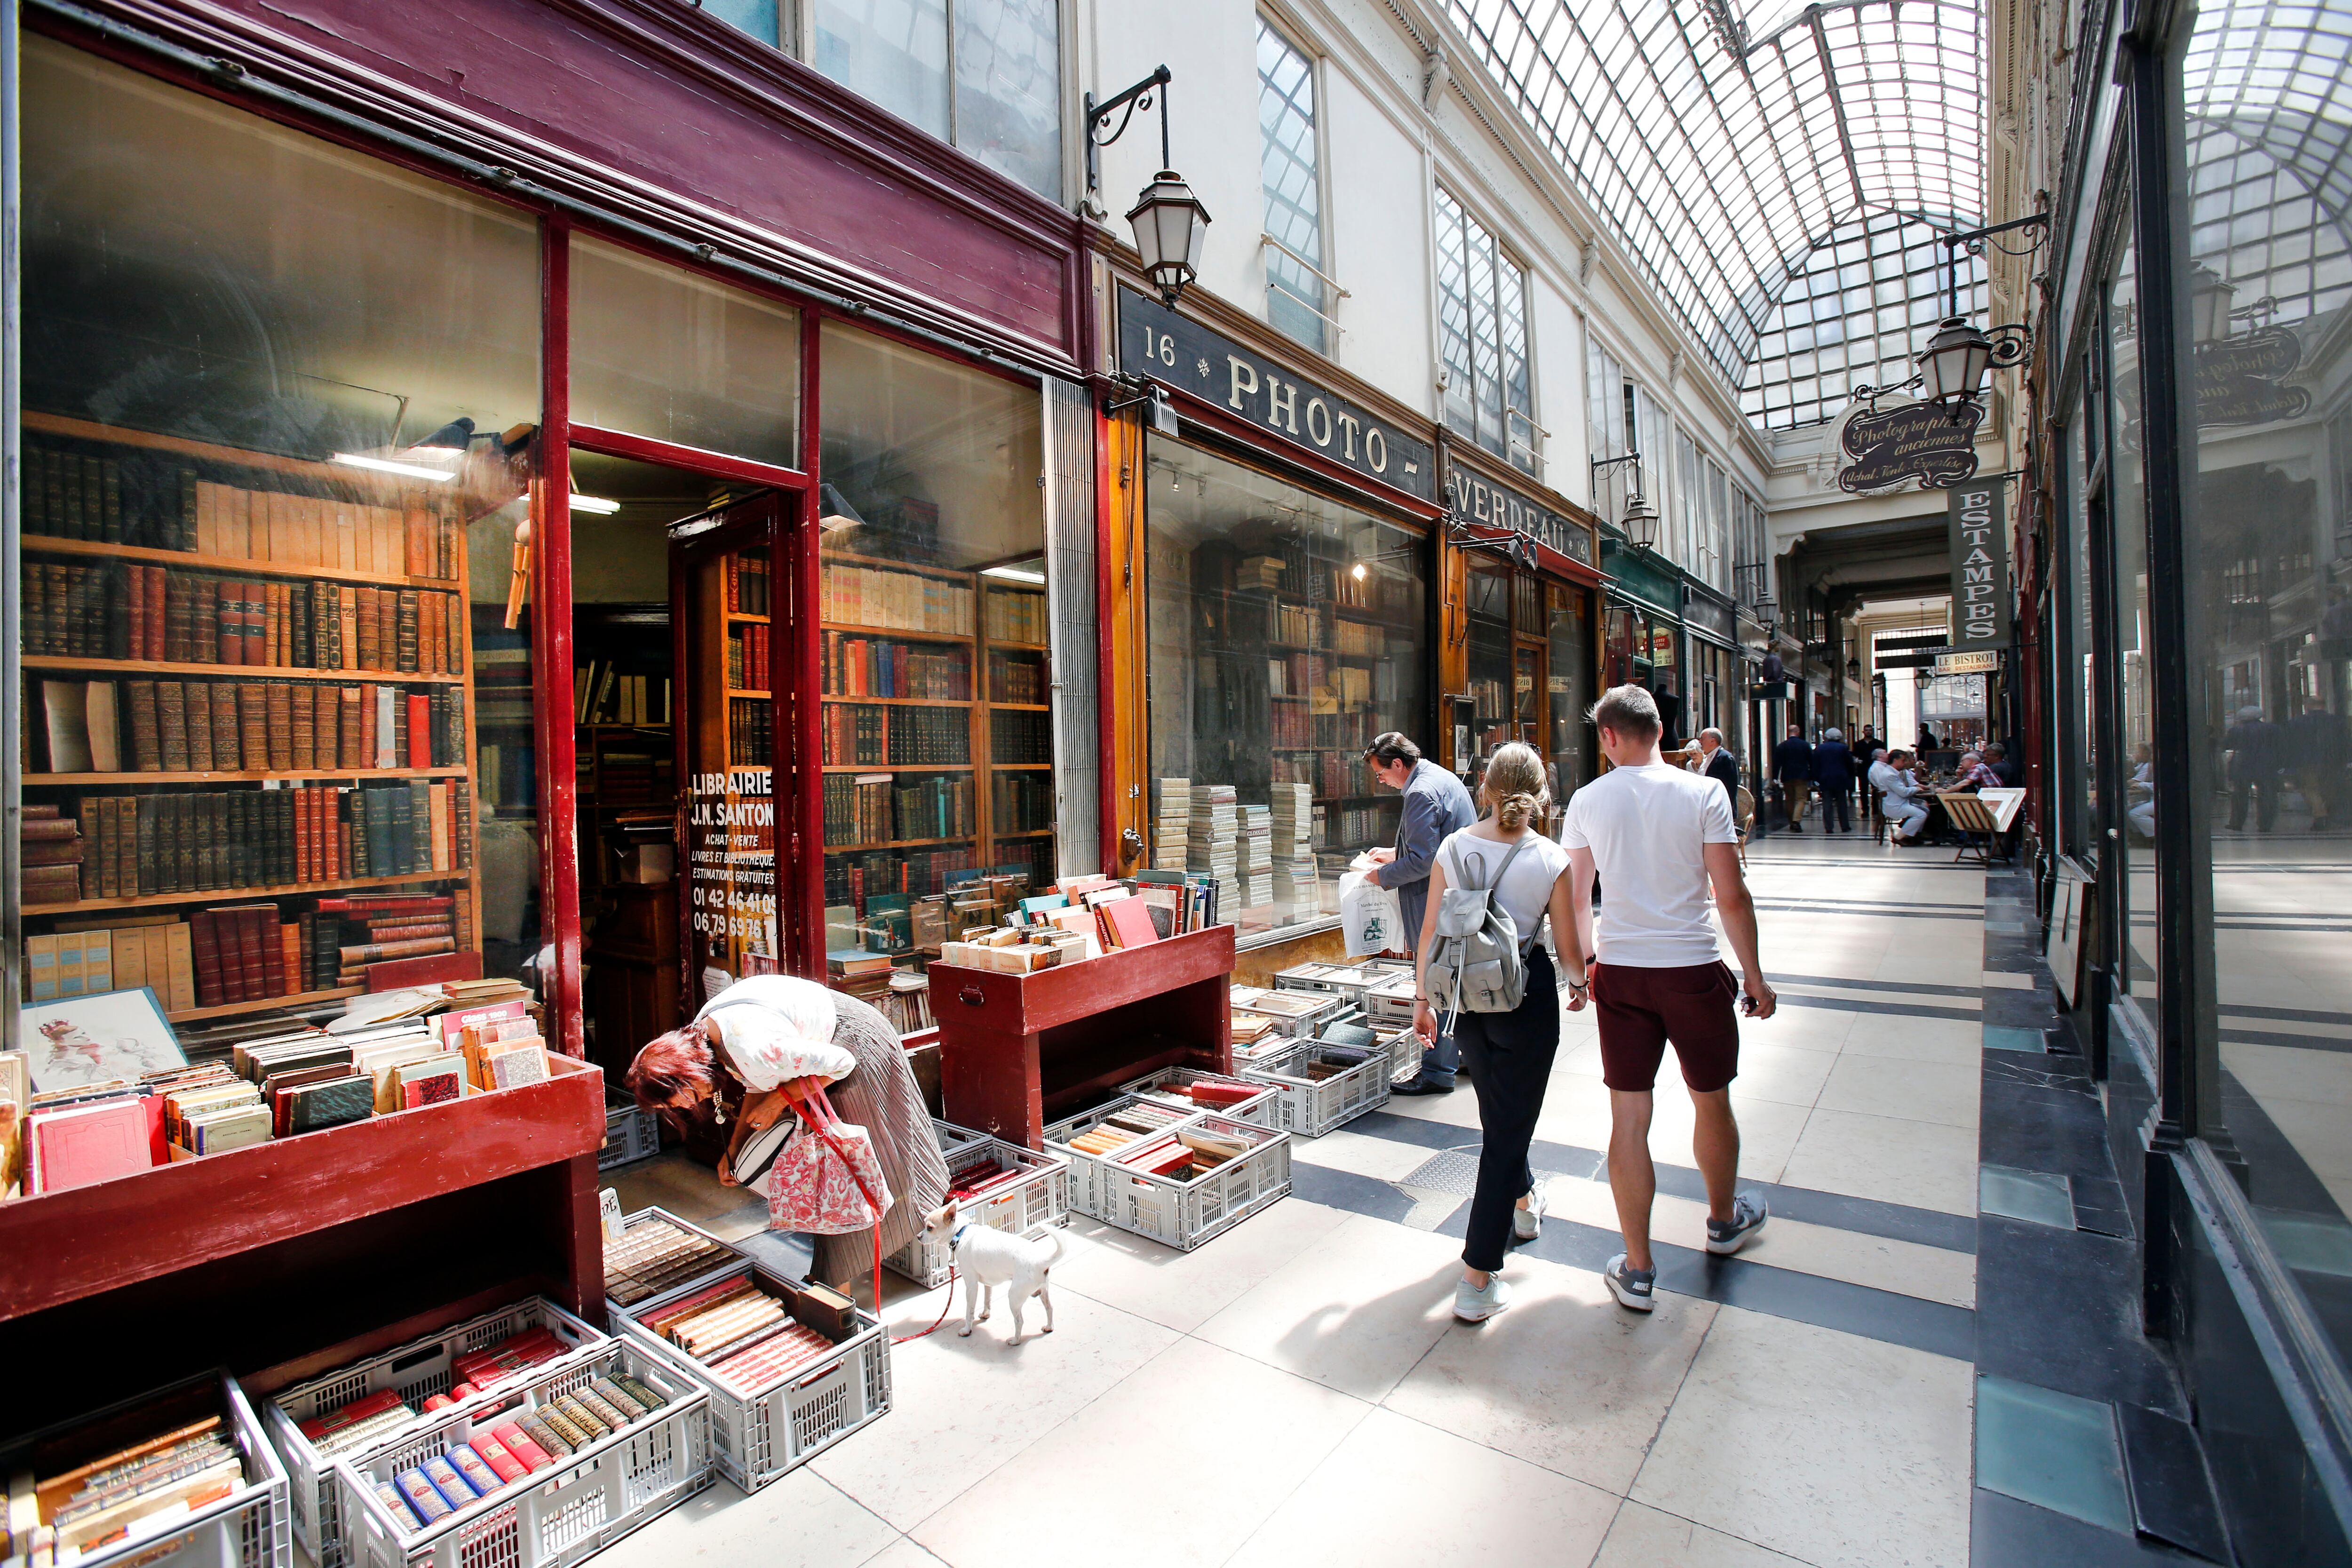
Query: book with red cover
x: 1129, y: 921
x: 289, y: 961
x: 432, y: 969
x: 420, y: 730
x: 204, y: 940
x: 272, y: 949
x: 252, y: 964
x: 78, y: 1146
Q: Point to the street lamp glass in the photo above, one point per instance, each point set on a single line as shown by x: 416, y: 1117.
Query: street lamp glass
x: 1169, y: 222
x: 1954, y: 361
x: 1641, y: 522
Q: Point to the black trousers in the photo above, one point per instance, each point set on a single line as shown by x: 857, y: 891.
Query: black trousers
x: 1834, y: 807
x: 1509, y: 1057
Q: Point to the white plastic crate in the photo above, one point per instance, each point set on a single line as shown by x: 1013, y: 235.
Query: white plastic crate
x: 1166, y: 1088
x: 246, y: 1529
x: 1390, y: 1001
x: 757, y: 1434
x: 1023, y: 1205
x: 1312, y: 977
x: 555, y: 1517
x: 630, y: 1134
x: 1184, y: 1214
x: 1312, y: 1107
x: 1297, y: 1014
x: 727, y: 1258
x: 1084, y: 1174
x: 419, y: 1370
x: 1405, y: 1053
x: 954, y: 1138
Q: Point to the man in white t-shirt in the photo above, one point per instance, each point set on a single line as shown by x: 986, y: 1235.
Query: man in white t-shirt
x: 1659, y: 837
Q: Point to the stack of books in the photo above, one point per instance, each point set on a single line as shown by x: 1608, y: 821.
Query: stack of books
x: 1171, y: 835
x: 654, y: 1255
x: 51, y: 845
x: 1294, y: 845
x: 508, y: 1453
x: 1215, y: 825
x: 1254, y: 855
x: 124, y: 1492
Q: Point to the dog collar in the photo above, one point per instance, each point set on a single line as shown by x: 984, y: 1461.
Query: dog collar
x: 956, y: 1238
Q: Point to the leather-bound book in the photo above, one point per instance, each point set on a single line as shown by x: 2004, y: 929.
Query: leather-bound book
x: 352, y: 752
x: 461, y: 815
x: 146, y: 727
x: 304, y: 871
x: 253, y: 707
x: 366, y: 616
x: 228, y: 622
x: 143, y: 851
x: 356, y: 860
x: 417, y: 529
x: 227, y: 747
x: 252, y: 963
x: 154, y: 611
x: 304, y: 748
x: 203, y: 937
x: 428, y: 633
x: 286, y: 973
x: 239, y: 859
x: 419, y: 753
x: 199, y: 706
x: 116, y: 604
x: 136, y: 585
x: 122, y: 814
x: 439, y: 815
x: 404, y: 643
x: 178, y: 587
x: 281, y: 726
x: 391, y: 718
x: 300, y: 652
x: 418, y: 826
x: 172, y: 727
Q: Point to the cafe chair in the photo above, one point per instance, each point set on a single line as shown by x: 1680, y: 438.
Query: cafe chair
x: 1747, y: 821
x: 1972, y: 818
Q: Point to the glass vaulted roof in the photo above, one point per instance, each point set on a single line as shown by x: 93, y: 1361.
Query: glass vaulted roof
x: 1779, y: 174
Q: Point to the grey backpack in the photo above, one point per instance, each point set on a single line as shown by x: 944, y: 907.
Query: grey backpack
x: 1475, y: 960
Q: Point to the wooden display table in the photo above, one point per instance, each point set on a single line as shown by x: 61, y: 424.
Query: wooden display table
x: 1018, y: 1048
x: 373, y: 1232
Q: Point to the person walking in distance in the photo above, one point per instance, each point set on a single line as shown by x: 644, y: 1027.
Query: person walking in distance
x: 1833, y: 776
x: 1659, y: 839
x: 1509, y: 1055
x: 1793, y: 764
x: 1435, y: 804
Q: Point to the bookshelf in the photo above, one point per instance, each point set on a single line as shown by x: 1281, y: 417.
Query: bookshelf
x: 935, y: 686
x: 214, y: 641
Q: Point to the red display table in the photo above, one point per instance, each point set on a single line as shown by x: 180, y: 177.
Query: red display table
x: 1018, y: 1049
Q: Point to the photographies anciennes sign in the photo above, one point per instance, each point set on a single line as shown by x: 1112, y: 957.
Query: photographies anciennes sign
x: 1924, y: 441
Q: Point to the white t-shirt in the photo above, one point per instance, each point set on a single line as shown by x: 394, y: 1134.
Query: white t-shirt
x: 1471, y: 860
x: 1647, y: 828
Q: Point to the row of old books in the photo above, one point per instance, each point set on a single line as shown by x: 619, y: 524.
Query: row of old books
x: 879, y: 666
x: 137, y: 845
x: 750, y: 730
x: 89, y: 959
x: 252, y: 953
x: 1017, y: 677
x: 747, y: 582
x: 856, y: 879
x: 897, y: 601
x: 1019, y: 737
x: 1291, y: 808
x: 128, y: 1475
x: 855, y: 733
x: 157, y: 614
x: 603, y: 695
x: 747, y: 658
x: 881, y: 808
x: 249, y: 726
x: 1024, y: 803
x: 1015, y: 616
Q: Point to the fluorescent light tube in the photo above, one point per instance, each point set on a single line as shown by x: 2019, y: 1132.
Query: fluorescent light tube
x: 405, y: 470
x: 1013, y: 574
x: 599, y: 505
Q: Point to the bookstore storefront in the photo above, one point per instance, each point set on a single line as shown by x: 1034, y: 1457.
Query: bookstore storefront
x: 1641, y: 634
x: 1525, y: 662
x: 1284, y: 620
x: 500, y: 499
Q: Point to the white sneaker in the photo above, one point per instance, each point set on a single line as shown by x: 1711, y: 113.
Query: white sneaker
x: 1526, y: 1223
x: 1635, y: 1288
x: 1476, y: 1306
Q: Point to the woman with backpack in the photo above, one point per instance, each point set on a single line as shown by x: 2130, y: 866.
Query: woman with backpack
x: 1490, y: 886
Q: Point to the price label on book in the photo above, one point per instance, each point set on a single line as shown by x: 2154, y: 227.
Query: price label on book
x: 608, y: 1208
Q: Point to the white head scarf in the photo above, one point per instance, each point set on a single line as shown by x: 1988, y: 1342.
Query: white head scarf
x: 777, y: 1028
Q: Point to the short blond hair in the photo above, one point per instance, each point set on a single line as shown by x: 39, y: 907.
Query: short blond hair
x: 1514, y: 786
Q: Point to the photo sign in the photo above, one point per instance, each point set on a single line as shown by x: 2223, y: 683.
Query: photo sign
x: 1178, y: 352
x: 1916, y: 441
x: 1979, y: 545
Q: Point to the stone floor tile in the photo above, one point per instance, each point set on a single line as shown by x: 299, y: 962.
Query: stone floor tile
x: 1185, y: 1289
x: 1107, y: 1482
x: 1642, y: 1537
x: 1841, y: 1451
x: 1916, y: 1092
x: 1397, y: 1491
x: 800, y: 1521
x: 1385, y: 1158
x: 1921, y: 1165
x: 1565, y: 1378
x: 1354, y: 1312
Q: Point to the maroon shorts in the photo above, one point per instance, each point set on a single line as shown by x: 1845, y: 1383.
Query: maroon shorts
x: 1641, y: 1009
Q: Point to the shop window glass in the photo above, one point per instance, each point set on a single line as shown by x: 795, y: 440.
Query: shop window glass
x: 1294, y: 199
x: 2269, y: 530
x: 306, y: 384
x: 658, y: 351
x: 1483, y: 338
x: 1683, y: 522
x: 2132, y: 640
x: 1569, y: 741
x: 1004, y: 106
x: 1488, y: 589
x: 1286, y: 632
x: 937, y: 701
x: 2079, y: 656
x: 760, y: 18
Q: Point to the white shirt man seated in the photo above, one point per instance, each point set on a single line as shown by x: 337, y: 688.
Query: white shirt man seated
x: 1899, y: 793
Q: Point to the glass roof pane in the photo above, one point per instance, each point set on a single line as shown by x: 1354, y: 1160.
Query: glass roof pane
x: 1712, y: 142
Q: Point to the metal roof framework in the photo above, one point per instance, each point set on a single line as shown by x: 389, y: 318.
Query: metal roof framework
x: 1782, y: 188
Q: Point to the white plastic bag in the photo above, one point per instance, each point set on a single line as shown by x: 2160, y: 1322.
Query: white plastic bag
x: 1370, y: 915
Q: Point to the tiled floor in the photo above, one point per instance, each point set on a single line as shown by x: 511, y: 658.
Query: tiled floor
x: 1298, y: 1391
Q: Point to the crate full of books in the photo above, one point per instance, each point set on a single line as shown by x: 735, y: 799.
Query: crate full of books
x: 1189, y: 1089
x: 533, y: 1478
x: 791, y: 1369
x: 1326, y: 1082
x: 655, y: 1253
x: 1195, y: 1181
x: 360, y: 1410
x: 1089, y: 1140
x: 181, y: 1476
x: 995, y: 1183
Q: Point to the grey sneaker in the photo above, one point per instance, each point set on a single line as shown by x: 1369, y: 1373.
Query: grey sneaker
x: 1526, y: 1223
x: 1633, y: 1288
x: 1724, y: 1237
x: 1476, y: 1306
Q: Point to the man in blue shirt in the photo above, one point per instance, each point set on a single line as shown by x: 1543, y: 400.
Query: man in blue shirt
x: 1833, y: 770
x: 1435, y: 804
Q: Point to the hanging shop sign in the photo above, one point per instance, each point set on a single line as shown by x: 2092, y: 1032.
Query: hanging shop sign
x: 1472, y: 497
x: 2237, y: 379
x: 1178, y: 352
x: 1920, y: 441
x: 1979, y: 545
x: 1967, y: 663
x: 1709, y: 615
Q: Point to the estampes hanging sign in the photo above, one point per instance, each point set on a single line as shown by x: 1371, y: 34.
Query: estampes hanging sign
x: 1980, y: 546
x: 1922, y: 441
x: 1175, y: 351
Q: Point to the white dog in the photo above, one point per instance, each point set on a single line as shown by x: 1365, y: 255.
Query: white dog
x: 988, y: 1258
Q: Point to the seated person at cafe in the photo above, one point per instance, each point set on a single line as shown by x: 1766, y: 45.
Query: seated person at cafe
x: 1899, y: 794
x: 1974, y: 774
